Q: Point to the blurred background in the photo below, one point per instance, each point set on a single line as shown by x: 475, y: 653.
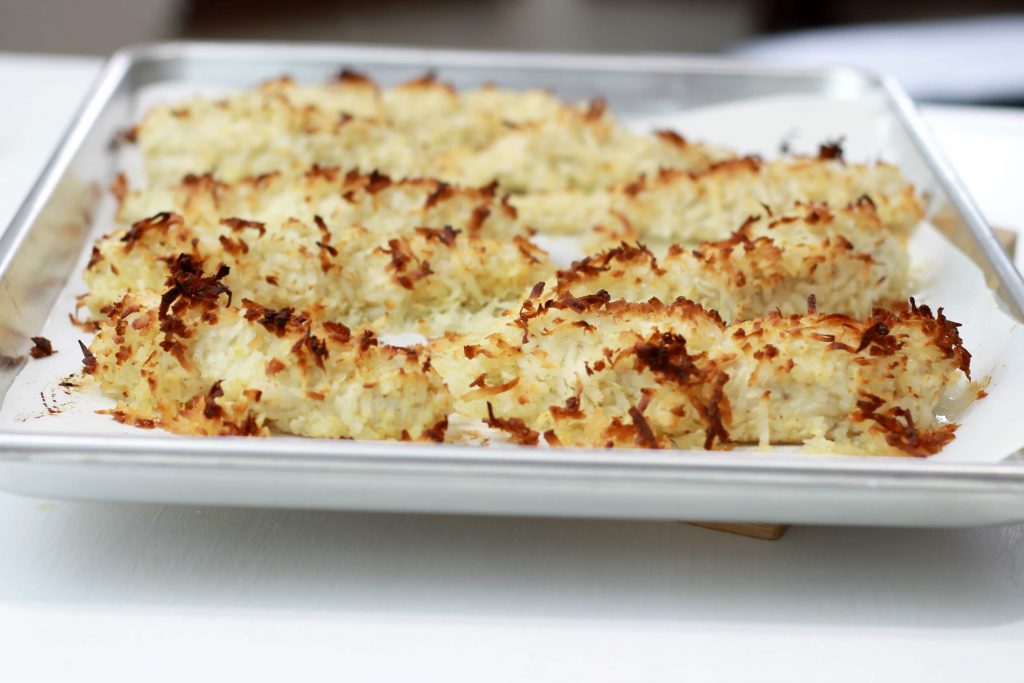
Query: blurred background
x: 942, y: 51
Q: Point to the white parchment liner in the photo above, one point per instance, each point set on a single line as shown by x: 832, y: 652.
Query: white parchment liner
x: 990, y: 430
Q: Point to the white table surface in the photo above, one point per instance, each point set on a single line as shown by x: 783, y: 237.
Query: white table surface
x: 104, y: 592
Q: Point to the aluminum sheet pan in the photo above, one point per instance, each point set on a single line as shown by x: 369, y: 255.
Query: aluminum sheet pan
x: 39, y: 249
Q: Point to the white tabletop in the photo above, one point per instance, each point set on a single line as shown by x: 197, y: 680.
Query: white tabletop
x: 110, y: 592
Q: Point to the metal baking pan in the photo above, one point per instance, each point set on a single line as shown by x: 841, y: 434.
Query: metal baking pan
x: 35, y: 262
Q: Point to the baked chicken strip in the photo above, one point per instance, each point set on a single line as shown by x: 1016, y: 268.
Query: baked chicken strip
x: 589, y: 371
x: 682, y: 208
x: 525, y: 141
x: 190, y: 362
x: 412, y: 255
x: 844, y: 258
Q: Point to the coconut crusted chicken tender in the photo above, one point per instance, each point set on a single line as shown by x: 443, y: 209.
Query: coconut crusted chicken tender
x: 419, y: 129
x: 844, y: 258
x: 190, y: 363
x: 869, y: 385
x: 412, y: 254
x: 588, y: 371
x: 372, y: 201
x: 682, y: 208
x: 427, y: 280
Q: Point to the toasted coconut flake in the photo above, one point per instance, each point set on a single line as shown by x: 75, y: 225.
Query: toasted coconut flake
x: 160, y: 221
x: 41, y: 348
x: 516, y: 429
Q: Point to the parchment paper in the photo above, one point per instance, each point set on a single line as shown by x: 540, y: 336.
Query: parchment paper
x: 990, y: 429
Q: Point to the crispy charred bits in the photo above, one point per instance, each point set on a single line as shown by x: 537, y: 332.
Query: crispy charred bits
x: 234, y: 247
x: 277, y: 321
x: 638, y: 429
x: 88, y: 360
x: 188, y: 288
x: 211, y: 410
x: 238, y: 224
x: 443, y: 191
x: 946, y: 335
x: 315, y: 346
x: 126, y: 419
x: 644, y: 436
x: 445, y: 235
x: 479, y: 215
x: 436, y: 433
x: 831, y: 149
x: 338, y: 331
x: 878, y: 340
x: 377, y: 181
x: 580, y: 304
x: 530, y: 309
x: 94, y: 258
x: 402, y: 260
x: 162, y: 221
x: 528, y: 249
x: 878, y: 334
x: 41, y: 348
x: 715, y: 412
x: 367, y: 339
x: 188, y: 284
x: 570, y: 411
x: 671, y: 136
x: 665, y: 354
x: 351, y: 76
x: 897, y: 424
x: 249, y: 426
x: 591, y: 266
x: 516, y: 429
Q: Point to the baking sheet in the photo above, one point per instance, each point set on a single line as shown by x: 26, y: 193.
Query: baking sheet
x: 40, y: 401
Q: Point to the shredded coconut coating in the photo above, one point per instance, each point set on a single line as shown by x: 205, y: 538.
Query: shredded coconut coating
x: 588, y: 371
x: 682, y: 208
x: 524, y: 140
x: 844, y: 258
x: 411, y: 278
x: 190, y: 364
